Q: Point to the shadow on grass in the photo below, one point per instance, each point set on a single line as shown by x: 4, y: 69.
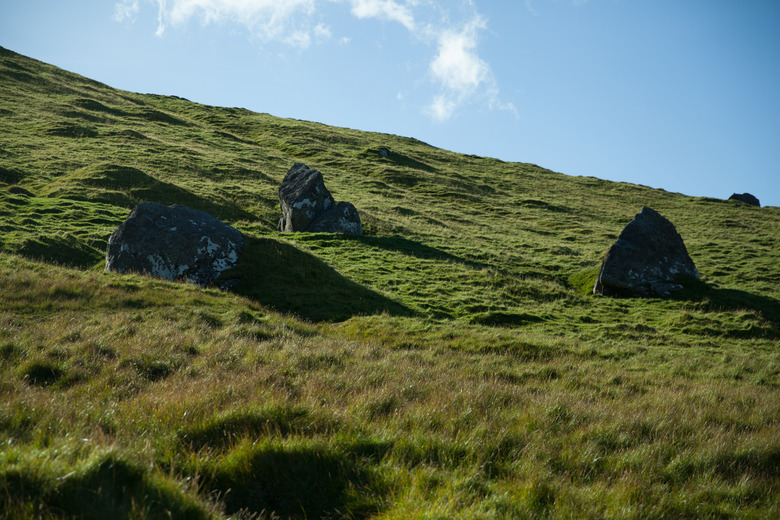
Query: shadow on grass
x: 396, y: 244
x: 64, y: 250
x: 280, y: 276
x: 126, y: 187
x: 222, y: 431
x: 108, y: 487
x: 716, y: 299
x: 505, y: 319
x: 298, y: 481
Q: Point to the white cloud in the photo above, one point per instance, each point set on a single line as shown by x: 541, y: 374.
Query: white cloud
x: 387, y: 9
x: 267, y: 19
x: 126, y: 11
x: 458, y: 72
x: 442, y: 107
x: 457, y: 66
x: 322, y: 32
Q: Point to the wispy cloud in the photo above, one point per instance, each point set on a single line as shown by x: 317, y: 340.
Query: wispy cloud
x: 267, y: 19
x: 459, y: 74
x: 386, y: 9
x: 126, y: 11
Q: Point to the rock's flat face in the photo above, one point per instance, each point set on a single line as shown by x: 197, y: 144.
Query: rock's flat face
x: 747, y: 198
x: 173, y: 242
x: 302, y: 196
x: 645, y: 259
x: 307, y: 205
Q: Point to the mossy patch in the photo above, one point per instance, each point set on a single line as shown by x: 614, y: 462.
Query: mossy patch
x: 584, y: 280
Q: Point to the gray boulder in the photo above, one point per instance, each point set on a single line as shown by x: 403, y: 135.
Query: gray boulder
x: 302, y: 196
x: 747, y: 198
x: 174, y: 243
x: 645, y: 260
x: 342, y: 218
x: 307, y: 205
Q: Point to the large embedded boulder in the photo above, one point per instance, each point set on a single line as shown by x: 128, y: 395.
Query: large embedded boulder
x: 174, y: 243
x: 307, y: 205
x: 645, y: 260
x: 747, y: 198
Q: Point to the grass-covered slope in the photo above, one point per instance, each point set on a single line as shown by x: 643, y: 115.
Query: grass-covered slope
x: 450, y: 363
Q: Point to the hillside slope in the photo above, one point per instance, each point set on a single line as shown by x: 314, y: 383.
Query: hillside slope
x: 448, y: 363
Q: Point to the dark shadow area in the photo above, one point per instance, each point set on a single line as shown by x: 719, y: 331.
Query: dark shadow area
x: 415, y: 249
x: 716, y: 299
x: 127, y: 187
x: 110, y: 487
x: 282, y: 277
x: 10, y: 175
x: 63, y: 250
x: 96, y: 106
x: 532, y: 203
x: 158, y: 116
x: 299, y: 482
x: 505, y: 319
x: 397, y: 244
x: 221, y: 432
x: 68, y: 129
x: 389, y: 156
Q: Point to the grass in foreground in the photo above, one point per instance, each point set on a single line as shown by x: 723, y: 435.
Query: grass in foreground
x: 167, y: 398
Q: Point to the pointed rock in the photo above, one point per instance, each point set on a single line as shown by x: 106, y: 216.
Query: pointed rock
x: 302, y: 196
x: 307, y: 205
x: 645, y: 259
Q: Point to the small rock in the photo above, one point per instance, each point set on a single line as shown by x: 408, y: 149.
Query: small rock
x: 645, y: 259
x: 747, y: 198
x: 173, y: 243
x: 343, y: 218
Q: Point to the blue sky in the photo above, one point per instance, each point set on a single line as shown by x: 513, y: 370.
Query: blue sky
x: 682, y: 95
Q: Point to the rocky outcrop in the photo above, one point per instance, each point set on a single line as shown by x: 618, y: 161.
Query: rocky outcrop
x: 645, y: 260
x: 747, y: 198
x: 307, y: 205
x: 174, y: 243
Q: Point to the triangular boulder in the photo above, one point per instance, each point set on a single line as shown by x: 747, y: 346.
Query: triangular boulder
x: 646, y: 260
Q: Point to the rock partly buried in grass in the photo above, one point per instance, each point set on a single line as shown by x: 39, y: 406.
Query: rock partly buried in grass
x: 747, y: 198
x: 645, y: 260
x: 174, y: 243
x: 307, y: 205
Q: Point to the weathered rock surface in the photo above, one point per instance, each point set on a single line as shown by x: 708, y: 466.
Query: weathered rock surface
x: 342, y: 218
x: 747, y: 198
x: 173, y: 242
x: 307, y: 205
x: 645, y: 259
x: 302, y: 196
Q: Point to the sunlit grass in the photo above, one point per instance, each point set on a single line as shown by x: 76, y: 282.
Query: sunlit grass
x: 450, y: 363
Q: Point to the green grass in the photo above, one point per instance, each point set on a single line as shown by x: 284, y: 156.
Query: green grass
x: 451, y: 363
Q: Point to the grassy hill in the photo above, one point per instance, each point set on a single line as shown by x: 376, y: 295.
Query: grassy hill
x: 449, y: 363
